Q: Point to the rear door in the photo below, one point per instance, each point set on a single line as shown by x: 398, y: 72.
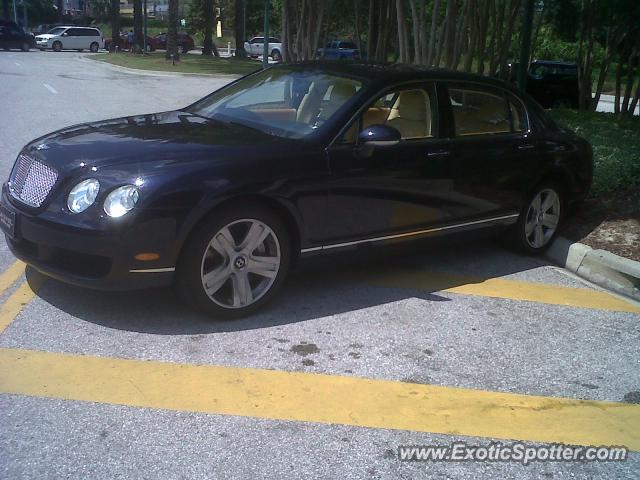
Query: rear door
x: 493, y: 153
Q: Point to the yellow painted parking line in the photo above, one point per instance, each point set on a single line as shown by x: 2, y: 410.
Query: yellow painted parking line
x: 10, y: 275
x: 499, y: 288
x: 324, y: 399
x: 10, y: 309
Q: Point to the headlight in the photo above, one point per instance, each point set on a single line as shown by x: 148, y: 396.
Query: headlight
x: 83, y: 195
x: 121, y: 200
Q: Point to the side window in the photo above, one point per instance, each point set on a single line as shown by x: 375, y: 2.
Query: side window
x: 92, y: 32
x: 479, y: 112
x: 74, y: 32
x: 411, y: 111
x: 518, y: 115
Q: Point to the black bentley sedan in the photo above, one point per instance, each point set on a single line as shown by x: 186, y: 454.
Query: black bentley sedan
x: 221, y: 197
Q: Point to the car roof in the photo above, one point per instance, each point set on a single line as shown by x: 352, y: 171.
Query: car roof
x: 392, y: 73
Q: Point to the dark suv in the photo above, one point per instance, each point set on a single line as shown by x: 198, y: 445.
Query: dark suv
x: 552, y: 83
x: 13, y: 36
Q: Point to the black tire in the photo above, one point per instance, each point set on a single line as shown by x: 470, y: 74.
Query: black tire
x: 57, y: 46
x: 521, y: 236
x: 189, y: 281
x: 94, y: 47
x: 276, y: 55
x: 25, y: 47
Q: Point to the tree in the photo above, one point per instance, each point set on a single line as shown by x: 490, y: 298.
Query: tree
x: 115, y: 25
x: 208, y: 14
x: 172, y: 31
x: 138, y: 34
x: 239, y: 28
x: 5, y: 9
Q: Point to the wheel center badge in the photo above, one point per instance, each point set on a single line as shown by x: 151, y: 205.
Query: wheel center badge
x: 240, y: 263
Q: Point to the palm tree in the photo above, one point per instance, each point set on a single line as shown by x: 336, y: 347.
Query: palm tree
x: 115, y: 24
x: 172, y: 31
x: 138, y: 40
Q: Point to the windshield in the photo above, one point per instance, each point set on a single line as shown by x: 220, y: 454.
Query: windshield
x: 279, y: 101
x: 56, y: 31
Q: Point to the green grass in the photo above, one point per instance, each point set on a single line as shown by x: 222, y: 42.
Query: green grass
x: 616, y: 147
x: 189, y: 63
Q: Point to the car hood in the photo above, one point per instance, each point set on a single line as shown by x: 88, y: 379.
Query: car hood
x: 169, y: 137
x: 46, y: 36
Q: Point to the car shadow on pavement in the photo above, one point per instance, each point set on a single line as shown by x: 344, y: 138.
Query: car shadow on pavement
x: 320, y: 286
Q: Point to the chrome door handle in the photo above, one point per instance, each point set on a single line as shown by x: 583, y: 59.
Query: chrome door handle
x: 440, y: 153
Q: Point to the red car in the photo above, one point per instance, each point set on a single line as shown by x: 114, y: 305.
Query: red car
x: 152, y: 43
x: 185, y: 42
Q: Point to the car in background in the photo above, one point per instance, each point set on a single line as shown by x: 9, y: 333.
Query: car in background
x: 152, y: 43
x: 339, y: 50
x: 552, y: 83
x: 12, y: 36
x: 71, y: 38
x: 255, y: 48
x: 185, y: 42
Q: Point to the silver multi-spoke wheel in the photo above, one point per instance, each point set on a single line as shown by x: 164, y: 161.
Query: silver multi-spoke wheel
x: 240, y: 263
x: 543, y: 217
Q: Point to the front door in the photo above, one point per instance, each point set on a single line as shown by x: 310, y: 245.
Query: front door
x: 390, y: 189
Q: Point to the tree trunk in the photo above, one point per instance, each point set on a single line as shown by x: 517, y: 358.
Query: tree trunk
x: 138, y: 34
x: 356, y: 24
x: 115, y: 25
x: 239, y: 29
x: 631, y: 73
x: 417, y: 31
x: 403, y: 41
x: 432, y: 33
x: 172, y: 31
x: 208, y: 17
x: 5, y: 9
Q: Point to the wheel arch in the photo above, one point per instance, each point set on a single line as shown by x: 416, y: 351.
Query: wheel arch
x: 282, y: 208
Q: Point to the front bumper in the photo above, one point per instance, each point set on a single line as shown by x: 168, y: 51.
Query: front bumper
x: 85, y: 257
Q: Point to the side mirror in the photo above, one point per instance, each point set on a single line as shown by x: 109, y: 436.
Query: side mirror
x: 379, y: 136
x: 65, y: 34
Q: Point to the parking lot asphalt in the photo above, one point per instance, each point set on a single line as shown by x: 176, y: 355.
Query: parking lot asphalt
x: 360, y: 354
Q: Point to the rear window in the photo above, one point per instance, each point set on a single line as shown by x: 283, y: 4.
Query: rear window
x: 347, y: 45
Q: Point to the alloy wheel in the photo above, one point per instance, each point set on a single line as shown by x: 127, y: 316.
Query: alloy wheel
x: 240, y: 263
x: 543, y: 217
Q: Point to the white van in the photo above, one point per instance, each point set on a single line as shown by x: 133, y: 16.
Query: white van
x: 71, y: 38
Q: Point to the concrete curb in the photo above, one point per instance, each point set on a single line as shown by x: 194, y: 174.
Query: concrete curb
x: 158, y: 73
x: 603, y: 268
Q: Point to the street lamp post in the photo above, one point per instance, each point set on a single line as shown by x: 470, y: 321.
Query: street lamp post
x: 265, y: 43
x: 525, y: 46
x: 15, y: 12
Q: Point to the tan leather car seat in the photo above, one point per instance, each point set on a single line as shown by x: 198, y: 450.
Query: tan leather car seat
x: 411, y: 114
x: 340, y: 94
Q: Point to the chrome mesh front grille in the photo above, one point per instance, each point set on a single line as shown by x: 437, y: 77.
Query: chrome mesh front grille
x: 31, y: 181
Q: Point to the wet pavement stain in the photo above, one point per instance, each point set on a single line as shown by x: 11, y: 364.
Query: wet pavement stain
x: 355, y: 355
x: 632, y: 397
x: 308, y: 362
x: 304, y: 349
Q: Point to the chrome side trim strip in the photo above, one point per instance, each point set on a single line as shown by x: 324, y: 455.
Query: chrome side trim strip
x: 154, y: 270
x: 408, y: 234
